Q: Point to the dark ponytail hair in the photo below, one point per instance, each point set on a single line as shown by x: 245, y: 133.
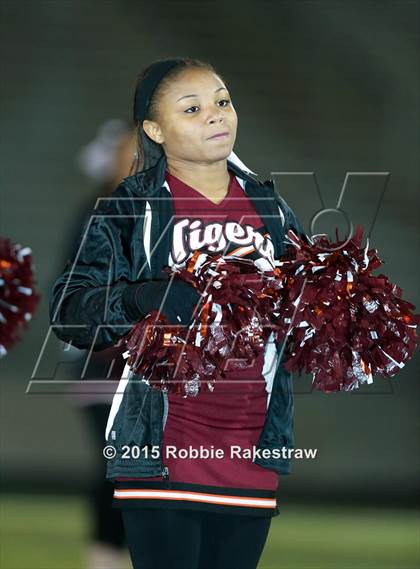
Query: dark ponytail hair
x: 148, y: 151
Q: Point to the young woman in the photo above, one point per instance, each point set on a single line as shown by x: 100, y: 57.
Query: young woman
x: 211, y: 505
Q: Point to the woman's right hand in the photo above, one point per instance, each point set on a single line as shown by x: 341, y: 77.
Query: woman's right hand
x: 175, y: 299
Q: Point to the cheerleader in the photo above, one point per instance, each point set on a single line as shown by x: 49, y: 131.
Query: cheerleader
x: 213, y: 504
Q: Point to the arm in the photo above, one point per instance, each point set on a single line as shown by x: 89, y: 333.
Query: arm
x: 86, y: 307
x: 95, y: 301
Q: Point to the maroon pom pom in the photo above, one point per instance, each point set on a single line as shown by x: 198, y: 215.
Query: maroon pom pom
x: 18, y: 299
x: 231, y: 326
x: 344, y: 324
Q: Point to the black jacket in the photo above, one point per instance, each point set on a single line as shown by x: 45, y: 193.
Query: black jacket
x: 128, y: 238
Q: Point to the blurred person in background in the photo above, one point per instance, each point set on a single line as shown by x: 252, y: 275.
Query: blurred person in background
x: 105, y: 161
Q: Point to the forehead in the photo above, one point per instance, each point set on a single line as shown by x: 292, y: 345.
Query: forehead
x: 194, y: 81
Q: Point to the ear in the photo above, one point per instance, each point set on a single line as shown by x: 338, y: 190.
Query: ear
x: 153, y: 131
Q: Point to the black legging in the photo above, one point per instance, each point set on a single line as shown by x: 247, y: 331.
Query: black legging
x: 188, y: 539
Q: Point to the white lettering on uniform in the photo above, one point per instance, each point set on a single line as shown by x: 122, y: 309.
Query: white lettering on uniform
x: 194, y: 235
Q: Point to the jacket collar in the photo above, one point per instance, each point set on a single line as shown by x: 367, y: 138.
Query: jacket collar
x: 148, y: 182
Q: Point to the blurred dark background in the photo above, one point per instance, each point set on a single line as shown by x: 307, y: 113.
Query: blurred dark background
x: 328, y: 87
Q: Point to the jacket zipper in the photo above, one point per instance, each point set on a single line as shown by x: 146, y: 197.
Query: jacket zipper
x: 165, y: 476
x: 165, y: 470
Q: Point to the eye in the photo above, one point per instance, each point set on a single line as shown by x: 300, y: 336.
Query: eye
x: 196, y: 107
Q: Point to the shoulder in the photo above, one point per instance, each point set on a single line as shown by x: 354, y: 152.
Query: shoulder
x: 112, y: 217
x: 119, y: 202
x: 281, y: 202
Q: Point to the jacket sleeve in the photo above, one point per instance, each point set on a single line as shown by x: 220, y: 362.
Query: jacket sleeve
x: 86, y: 304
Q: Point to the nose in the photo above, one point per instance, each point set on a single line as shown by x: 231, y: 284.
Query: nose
x: 216, y: 117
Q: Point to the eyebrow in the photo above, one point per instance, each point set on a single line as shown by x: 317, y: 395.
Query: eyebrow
x: 186, y: 96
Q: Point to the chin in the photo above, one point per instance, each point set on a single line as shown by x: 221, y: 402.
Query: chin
x: 220, y: 155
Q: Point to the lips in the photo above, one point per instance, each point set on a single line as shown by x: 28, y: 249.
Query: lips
x: 219, y: 135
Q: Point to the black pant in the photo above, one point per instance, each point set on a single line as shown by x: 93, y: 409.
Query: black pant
x: 188, y: 539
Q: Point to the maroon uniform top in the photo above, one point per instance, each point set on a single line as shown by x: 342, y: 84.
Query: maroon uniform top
x: 222, y: 426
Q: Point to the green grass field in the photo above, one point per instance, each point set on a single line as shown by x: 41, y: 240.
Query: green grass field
x: 51, y: 533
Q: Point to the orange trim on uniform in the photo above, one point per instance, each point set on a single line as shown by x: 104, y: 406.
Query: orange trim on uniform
x: 138, y: 494
x: 245, y: 248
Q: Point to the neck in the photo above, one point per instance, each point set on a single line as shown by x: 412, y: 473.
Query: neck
x: 210, y: 179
